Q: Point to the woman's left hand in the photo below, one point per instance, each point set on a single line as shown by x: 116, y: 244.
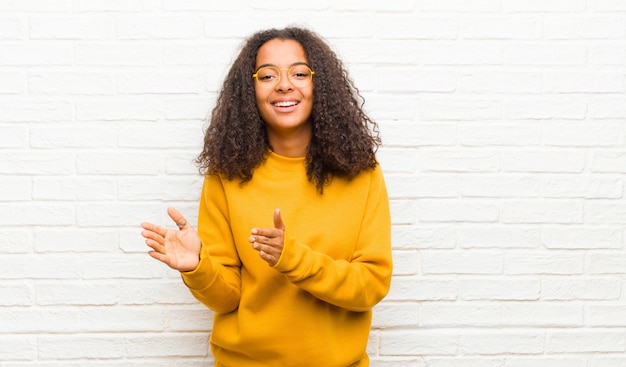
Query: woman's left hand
x: 269, y: 242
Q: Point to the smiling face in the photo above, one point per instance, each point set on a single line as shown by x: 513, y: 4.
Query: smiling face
x: 285, y: 108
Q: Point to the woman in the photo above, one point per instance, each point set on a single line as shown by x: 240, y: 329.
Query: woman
x: 293, y: 244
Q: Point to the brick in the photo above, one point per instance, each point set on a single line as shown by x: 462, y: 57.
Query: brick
x: 152, y: 292
x: 608, y: 5
x: 610, y: 107
x: 69, y: 82
x: 17, y: 240
x: 540, y: 160
x: 415, y: 237
x: 422, y: 289
x: 115, y: 6
x: 151, y: 27
x: 18, y: 348
x: 397, y: 160
x: 502, y: 342
x: 538, y: 263
x: 584, y: 82
x: 472, y: 211
x: 419, y: 342
x: 414, y: 80
x: 581, y: 289
x: 55, y: 240
x: 403, y: 211
x: 494, y: 185
x: 543, y: 315
x: 607, y: 53
x: 68, y: 136
x: 605, y: 212
x: 403, y: 314
x: 501, y: 82
x: 118, y: 109
x: 410, y: 134
x: 606, y: 263
x: 38, y: 163
x: 162, y: 135
x: 594, y: 341
x: 465, y: 361
x: 543, y: 361
x: 461, y: 262
x: 506, y: 237
x: 15, y: 189
x: 35, y: 111
x: 73, y: 189
x: 100, y: 266
x: 609, y: 161
x: 466, y: 160
x: 378, y: 52
x: 160, y: 83
x: 448, y: 315
x: 13, y: 82
x: 425, y: 186
x: 584, y: 134
x: 73, y: 294
x: 36, y: 53
x: 497, y: 133
x: 542, y: 211
x: 201, y: 5
x: 41, y: 267
x: 118, y: 54
x: 119, y: 163
x: 180, y: 189
x: 466, y: 6
x: 35, y: 6
x: 455, y: 108
x: 465, y: 53
x: 581, y: 238
x: 545, y: 108
x: 405, y: 262
x: 544, y: 5
x: 38, y: 214
x: 499, y: 289
x: 83, y: 346
x: 570, y: 186
x: 78, y: 28
x: 501, y: 27
x: 594, y: 27
x: 552, y: 53
x: 16, y: 295
x: 181, y: 344
x: 394, y: 26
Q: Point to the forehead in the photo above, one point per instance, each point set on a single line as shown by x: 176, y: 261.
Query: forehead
x: 281, y: 52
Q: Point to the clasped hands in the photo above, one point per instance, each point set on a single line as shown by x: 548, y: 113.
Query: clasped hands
x: 180, y: 249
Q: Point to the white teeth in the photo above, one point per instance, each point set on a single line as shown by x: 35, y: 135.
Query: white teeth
x: 285, y: 104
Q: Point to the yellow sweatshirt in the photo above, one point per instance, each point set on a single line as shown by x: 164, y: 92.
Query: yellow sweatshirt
x: 314, y: 307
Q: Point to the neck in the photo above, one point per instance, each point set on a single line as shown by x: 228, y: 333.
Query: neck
x: 293, y: 144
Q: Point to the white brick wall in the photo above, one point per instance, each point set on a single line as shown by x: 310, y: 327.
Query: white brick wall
x: 504, y: 123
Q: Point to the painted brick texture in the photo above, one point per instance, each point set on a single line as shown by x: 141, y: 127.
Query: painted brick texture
x: 504, y: 130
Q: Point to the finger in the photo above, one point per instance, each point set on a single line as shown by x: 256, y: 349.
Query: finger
x: 278, y: 220
x: 154, y: 228
x: 178, y: 218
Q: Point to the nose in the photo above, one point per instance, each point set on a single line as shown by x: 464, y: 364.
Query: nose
x: 284, y: 84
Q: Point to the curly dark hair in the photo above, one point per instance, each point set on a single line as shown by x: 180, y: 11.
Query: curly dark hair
x: 344, y: 139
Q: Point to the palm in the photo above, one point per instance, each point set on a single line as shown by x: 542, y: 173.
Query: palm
x: 182, y: 249
x: 179, y: 249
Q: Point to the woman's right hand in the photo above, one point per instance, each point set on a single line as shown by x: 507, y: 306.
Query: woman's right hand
x: 178, y: 249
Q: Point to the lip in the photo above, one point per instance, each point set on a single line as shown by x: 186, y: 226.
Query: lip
x: 285, y: 105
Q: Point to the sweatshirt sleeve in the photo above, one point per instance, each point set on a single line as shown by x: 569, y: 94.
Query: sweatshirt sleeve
x: 216, y: 282
x: 358, y: 284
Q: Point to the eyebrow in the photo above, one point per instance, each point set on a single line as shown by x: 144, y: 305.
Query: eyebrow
x: 294, y: 64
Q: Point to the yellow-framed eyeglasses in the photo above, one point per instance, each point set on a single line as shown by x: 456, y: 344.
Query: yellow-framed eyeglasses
x: 299, y: 75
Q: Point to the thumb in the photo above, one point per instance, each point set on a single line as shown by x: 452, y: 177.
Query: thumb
x: 178, y: 218
x: 278, y: 220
